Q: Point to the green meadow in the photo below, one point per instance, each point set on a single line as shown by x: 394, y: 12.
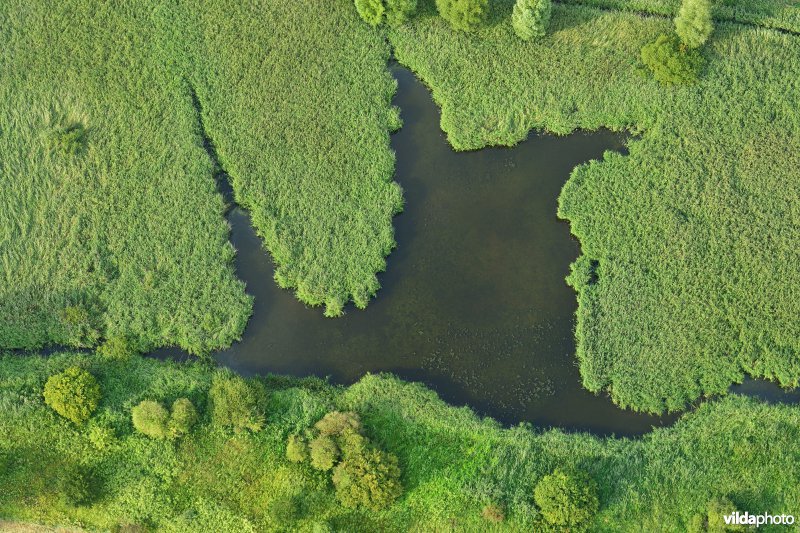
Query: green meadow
x: 454, y: 464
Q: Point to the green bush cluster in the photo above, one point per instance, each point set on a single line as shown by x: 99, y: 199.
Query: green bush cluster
x: 393, y: 12
x: 530, y: 18
x: 79, y: 486
x: 117, y: 347
x: 363, y: 475
x: 464, y: 15
x: 73, y: 394
x: 154, y: 420
x: 236, y: 403
x: 567, y: 499
x: 67, y: 140
x: 671, y: 62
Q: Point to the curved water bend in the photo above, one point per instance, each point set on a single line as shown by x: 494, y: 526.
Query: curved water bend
x: 473, y: 303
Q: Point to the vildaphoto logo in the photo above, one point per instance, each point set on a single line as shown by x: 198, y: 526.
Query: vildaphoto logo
x: 758, y: 520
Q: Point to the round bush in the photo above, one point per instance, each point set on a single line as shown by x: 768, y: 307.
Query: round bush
x: 693, y: 23
x: 671, y: 62
x: 234, y: 403
x: 151, y: 418
x: 296, y: 449
x: 371, y: 480
x: 371, y: 11
x: 567, y: 499
x: 324, y: 453
x: 73, y: 393
x: 117, y: 348
x: 464, y: 15
x: 335, y: 423
x: 530, y: 18
x: 182, y: 418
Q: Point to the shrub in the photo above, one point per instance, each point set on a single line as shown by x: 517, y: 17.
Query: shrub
x: 78, y: 486
x: 693, y: 23
x: 464, y: 15
x: 234, y: 403
x: 118, y: 348
x: 296, y: 449
x: 351, y: 443
x: 530, y: 18
x: 182, y: 418
x: 567, y: 499
x: 67, y: 140
x: 335, y: 423
x: 371, y: 480
x: 151, y: 418
x: 493, y: 513
x: 78, y: 326
x: 73, y: 393
x: 324, y: 452
x: 372, y: 11
x: 671, y: 62
x: 400, y: 11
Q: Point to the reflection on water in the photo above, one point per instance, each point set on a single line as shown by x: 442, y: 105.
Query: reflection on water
x: 474, y: 301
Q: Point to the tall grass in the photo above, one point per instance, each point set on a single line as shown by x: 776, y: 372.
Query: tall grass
x: 693, y: 234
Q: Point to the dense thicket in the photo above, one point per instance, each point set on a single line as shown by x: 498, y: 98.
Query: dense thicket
x: 459, y: 472
x: 686, y: 281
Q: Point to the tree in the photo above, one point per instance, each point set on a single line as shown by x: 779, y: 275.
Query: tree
x: 372, y: 11
x: 182, y: 418
x: 671, y: 62
x: 530, y: 18
x: 693, y: 23
x: 150, y: 418
x: 335, y: 423
x: 235, y: 403
x: 567, y: 499
x: 73, y: 393
x: 464, y: 15
x: 324, y: 452
x: 371, y: 480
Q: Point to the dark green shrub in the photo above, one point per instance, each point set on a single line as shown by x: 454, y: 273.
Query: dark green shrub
x: 671, y: 62
x: 371, y: 480
x: 693, y: 24
x: 235, y: 403
x: 117, y: 348
x: 67, y: 140
x: 73, y: 393
x: 324, y: 452
x: 182, y: 418
x: 464, y: 15
x: 493, y: 513
x: 296, y: 449
x: 530, y: 18
x: 79, y: 486
x: 151, y: 418
x: 335, y: 423
x: 567, y: 499
x: 400, y: 11
x: 372, y: 11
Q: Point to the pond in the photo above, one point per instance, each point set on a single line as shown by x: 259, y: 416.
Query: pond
x: 473, y: 302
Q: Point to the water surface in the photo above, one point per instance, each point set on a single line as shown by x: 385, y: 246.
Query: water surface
x: 473, y: 302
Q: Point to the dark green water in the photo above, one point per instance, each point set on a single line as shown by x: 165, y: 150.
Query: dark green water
x: 473, y: 302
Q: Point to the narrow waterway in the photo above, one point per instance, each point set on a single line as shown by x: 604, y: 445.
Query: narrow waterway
x: 473, y: 302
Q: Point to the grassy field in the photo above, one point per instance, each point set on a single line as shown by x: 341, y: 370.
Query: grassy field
x: 110, y: 224
x: 686, y: 280
x: 453, y: 463
x: 778, y: 14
